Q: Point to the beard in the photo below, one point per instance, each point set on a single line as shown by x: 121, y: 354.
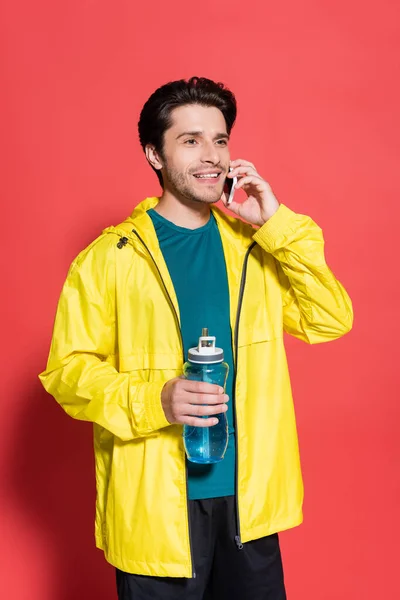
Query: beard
x: 183, y: 185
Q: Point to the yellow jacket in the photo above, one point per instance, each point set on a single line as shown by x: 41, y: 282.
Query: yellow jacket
x: 117, y: 341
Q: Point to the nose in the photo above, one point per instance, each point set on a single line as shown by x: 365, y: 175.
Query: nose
x: 210, y: 153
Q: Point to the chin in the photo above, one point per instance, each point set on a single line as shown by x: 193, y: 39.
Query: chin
x: 207, y: 199
x: 210, y: 200
x: 193, y: 195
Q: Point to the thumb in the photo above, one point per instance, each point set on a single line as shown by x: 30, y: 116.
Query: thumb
x: 233, y: 206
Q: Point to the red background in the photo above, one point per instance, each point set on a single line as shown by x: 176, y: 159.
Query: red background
x: 318, y: 93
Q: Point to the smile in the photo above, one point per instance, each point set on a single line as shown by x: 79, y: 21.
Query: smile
x: 211, y: 175
x: 208, y: 177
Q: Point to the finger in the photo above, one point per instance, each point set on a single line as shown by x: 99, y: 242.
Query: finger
x: 205, y: 410
x: 240, y: 162
x: 225, y: 203
x: 196, y: 422
x: 252, y: 179
x: 234, y: 207
x: 206, y: 398
x: 202, y: 387
x: 243, y: 171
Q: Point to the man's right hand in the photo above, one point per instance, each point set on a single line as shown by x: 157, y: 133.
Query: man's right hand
x: 185, y: 402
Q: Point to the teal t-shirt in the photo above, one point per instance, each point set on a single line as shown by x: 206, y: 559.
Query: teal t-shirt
x: 196, y: 263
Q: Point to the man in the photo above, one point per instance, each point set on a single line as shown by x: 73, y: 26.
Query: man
x: 134, y: 302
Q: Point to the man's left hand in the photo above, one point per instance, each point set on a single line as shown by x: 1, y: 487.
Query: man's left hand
x: 260, y: 203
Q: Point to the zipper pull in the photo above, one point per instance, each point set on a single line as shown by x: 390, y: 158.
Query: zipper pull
x: 122, y: 242
x: 238, y: 542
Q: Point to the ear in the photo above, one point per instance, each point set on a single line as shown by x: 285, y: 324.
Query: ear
x: 153, y: 157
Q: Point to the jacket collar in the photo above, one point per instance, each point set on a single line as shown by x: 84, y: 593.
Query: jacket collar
x: 233, y: 231
x: 236, y: 237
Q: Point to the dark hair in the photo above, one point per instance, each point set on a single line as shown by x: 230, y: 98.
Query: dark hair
x: 155, y: 117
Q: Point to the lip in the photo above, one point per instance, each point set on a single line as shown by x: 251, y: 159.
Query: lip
x: 207, y: 172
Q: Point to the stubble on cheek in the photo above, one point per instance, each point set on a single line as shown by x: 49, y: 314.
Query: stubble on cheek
x: 184, y: 185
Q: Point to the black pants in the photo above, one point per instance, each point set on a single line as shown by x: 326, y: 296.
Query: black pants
x: 223, y: 571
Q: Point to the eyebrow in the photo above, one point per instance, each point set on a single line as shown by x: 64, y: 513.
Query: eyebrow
x: 200, y: 133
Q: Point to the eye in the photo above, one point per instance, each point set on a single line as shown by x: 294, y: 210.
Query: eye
x: 222, y: 142
x: 191, y: 142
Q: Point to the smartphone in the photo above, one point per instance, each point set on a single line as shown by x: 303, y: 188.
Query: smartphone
x: 229, y: 187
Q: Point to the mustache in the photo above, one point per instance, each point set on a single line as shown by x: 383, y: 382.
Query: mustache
x: 224, y: 170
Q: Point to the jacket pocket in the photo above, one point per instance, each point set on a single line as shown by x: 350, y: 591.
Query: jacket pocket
x: 152, y: 366
x: 260, y: 321
x: 253, y: 335
x: 145, y: 361
x: 261, y: 317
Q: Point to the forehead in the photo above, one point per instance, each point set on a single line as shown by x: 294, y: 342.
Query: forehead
x: 193, y: 117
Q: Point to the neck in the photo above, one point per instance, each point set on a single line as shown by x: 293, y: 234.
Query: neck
x: 183, y: 212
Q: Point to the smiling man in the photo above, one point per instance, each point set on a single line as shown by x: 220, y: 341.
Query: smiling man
x: 135, y: 301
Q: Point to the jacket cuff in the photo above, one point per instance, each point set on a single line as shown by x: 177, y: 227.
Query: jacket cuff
x: 276, y: 231
x: 149, y: 396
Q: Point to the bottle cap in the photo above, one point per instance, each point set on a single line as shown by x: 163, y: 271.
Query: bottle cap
x: 206, y: 352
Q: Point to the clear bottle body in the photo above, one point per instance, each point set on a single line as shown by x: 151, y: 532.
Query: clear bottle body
x: 206, y: 444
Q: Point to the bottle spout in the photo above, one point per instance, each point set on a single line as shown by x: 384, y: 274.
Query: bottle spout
x: 206, y: 352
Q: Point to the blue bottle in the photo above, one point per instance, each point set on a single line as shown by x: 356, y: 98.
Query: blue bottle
x: 206, y: 363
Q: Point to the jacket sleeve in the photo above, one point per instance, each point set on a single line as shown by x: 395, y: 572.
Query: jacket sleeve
x: 78, y: 374
x: 316, y: 307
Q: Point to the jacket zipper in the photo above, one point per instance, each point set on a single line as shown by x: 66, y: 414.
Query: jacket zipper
x: 236, y: 346
x: 183, y: 355
x: 238, y: 539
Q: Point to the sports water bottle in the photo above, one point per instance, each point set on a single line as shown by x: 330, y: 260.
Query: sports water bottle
x: 205, y: 363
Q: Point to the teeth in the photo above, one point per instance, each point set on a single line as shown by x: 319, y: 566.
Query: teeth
x: 207, y: 176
